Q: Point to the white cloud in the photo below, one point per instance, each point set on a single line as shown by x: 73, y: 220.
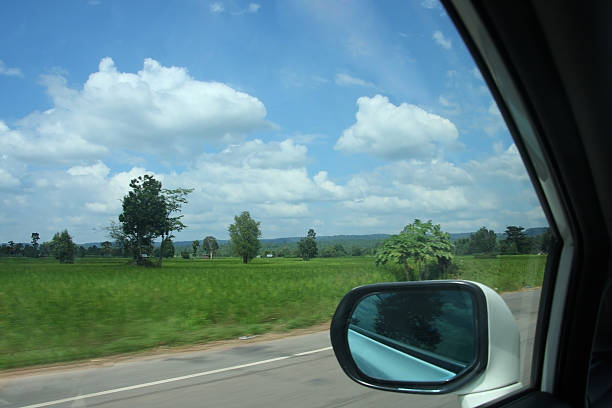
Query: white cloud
x: 259, y: 155
x: 348, y: 80
x: 450, y: 107
x: 7, y: 180
x: 430, y: 4
x: 415, y: 199
x: 398, y: 132
x: 507, y: 166
x: 98, y: 170
x: 216, y: 7
x: 8, y: 71
x: 433, y: 173
x: 254, y: 7
x: 284, y: 210
x: 442, y: 40
x: 156, y: 110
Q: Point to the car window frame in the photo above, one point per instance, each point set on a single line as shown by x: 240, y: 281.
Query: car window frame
x: 519, y: 88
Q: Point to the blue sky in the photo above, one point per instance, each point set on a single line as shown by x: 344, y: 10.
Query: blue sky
x: 349, y: 117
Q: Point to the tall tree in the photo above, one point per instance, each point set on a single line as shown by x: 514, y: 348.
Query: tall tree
x: 483, y: 241
x: 516, y: 236
x: 195, y: 245
x: 244, y: 234
x: 63, y: 247
x: 144, y: 212
x: 106, y: 248
x: 35, y: 239
x: 210, y: 245
x: 174, y: 200
x: 121, y: 240
x: 420, y: 243
x: 168, y: 248
x: 308, y: 246
x: 150, y: 212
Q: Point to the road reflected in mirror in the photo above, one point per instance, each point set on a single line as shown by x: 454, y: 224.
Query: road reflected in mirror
x: 414, y: 336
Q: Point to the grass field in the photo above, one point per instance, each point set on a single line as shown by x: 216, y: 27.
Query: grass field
x: 51, y: 312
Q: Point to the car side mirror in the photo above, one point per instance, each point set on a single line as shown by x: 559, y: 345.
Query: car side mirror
x: 429, y: 337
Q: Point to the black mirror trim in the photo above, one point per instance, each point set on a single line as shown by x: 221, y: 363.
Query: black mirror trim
x: 341, y: 321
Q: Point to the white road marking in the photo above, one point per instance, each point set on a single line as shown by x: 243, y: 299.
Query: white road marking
x: 170, y: 380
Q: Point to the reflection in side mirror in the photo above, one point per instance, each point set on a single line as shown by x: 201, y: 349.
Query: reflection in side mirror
x: 410, y: 336
x: 418, y: 337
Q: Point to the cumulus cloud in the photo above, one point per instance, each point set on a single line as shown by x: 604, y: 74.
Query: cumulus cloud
x: 397, y: 132
x: 414, y: 199
x: 156, y: 110
x: 348, y: 80
x: 8, y: 71
x: 507, y: 166
x: 432, y: 173
x: 442, y: 40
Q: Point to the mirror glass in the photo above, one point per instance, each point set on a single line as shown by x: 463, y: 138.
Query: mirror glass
x: 414, y: 336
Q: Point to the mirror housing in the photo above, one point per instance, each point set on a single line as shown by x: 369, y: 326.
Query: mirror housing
x: 429, y: 337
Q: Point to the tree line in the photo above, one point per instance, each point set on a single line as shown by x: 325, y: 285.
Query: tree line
x: 151, y: 212
x: 485, y: 242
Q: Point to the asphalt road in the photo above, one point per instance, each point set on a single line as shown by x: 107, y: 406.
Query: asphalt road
x: 296, y: 371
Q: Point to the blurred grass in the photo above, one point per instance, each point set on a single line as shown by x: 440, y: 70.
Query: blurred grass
x: 504, y: 273
x: 51, y: 312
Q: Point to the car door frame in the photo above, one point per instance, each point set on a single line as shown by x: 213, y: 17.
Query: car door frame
x: 519, y: 62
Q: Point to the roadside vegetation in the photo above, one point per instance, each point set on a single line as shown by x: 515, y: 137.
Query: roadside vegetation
x: 82, y: 307
x: 52, y: 312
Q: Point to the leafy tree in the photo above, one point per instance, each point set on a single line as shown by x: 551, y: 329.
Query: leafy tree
x: 35, y: 239
x: 244, y: 234
x: 520, y: 240
x: 11, y: 246
x: 63, y: 247
x: 462, y: 246
x: 307, y: 247
x: 410, y: 320
x: 82, y: 252
x: 418, y: 242
x: 121, y: 240
x: 29, y: 251
x: 148, y: 213
x: 328, y: 252
x: 195, y: 245
x: 356, y: 251
x: 144, y: 212
x: 174, y: 200
x: 106, y: 248
x: 482, y: 241
x: 339, y: 250
x: 168, y: 248
x: 210, y: 245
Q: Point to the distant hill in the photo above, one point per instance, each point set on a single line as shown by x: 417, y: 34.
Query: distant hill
x: 346, y: 240
x: 530, y: 232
